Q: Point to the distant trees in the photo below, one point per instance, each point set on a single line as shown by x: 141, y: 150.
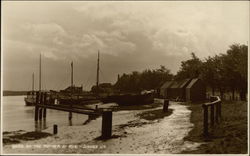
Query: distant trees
x: 223, y: 72
x: 146, y: 80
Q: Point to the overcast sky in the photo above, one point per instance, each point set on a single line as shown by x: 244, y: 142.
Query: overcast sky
x: 131, y: 36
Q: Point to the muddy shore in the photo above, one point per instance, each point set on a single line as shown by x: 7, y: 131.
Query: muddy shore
x: 140, y: 131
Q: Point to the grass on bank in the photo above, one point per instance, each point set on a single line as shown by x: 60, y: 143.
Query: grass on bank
x: 228, y: 137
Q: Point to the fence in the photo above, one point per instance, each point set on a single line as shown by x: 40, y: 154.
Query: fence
x: 215, y: 113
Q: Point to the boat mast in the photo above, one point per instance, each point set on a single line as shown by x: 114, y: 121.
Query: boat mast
x: 40, y: 73
x: 32, y: 82
x: 97, y: 75
x: 72, y: 83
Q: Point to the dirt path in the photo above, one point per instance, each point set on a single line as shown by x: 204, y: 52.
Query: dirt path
x: 131, y: 135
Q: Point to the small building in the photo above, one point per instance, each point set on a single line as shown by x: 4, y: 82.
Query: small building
x: 165, y: 88
x: 184, y: 90
x: 196, y: 90
x: 177, y: 89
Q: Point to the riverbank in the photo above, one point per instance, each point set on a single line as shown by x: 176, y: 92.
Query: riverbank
x: 229, y: 137
x: 14, y: 93
x: 141, y: 131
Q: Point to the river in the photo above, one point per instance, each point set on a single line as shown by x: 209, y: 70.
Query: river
x: 17, y: 116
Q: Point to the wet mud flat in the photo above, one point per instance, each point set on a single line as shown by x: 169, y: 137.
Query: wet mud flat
x: 141, y: 131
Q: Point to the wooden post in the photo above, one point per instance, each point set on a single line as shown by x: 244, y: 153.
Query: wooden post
x: 44, y: 102
x: 55, y: 129
x: 70, y: 113
x: 219, y: 106
x: 217, y: 112
x: 165, y: 105
x: 41, y: 98
x: 45, y: 98
x: 106, y: 124
x: 36, y: 107
x: 36, y: 113
x: 205, y: 120
x: 44, y: 113
x: 212, y: 115
x: 40, y: 113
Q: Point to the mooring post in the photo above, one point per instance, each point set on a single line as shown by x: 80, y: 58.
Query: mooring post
x: 205, y: 120
x: 45, y: 102
x: 55, y: 129
x: 165, y: 105
x: 217, y: 112
x: 36, y: 113
x: 36, y: 107
x: 219, y: 106
x: 42, y: 98
x: 40, y: 113
x: 106, y: 124
x: 212, y: 115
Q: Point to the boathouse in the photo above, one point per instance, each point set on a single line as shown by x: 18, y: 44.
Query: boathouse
x: 195, y: 91
x: 165, y: 89
x: 184, y: 90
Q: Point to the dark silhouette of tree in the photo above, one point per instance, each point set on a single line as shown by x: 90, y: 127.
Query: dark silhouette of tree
x: 190, y: 68
x: 146, y: 80
x: 235, y: 68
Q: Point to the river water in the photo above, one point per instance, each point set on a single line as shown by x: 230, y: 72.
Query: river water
x: 17, y: 116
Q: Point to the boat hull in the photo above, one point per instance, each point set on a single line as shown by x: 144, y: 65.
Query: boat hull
x: 130, y: 99
x: 30, y: 101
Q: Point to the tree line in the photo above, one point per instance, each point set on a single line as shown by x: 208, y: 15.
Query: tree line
x: 222, y: 72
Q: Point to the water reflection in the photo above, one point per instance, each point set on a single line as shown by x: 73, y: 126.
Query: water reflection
x: 17, y: 116
x: 40, y: 125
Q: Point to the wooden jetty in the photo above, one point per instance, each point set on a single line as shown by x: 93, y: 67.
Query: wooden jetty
x: 43, y: 102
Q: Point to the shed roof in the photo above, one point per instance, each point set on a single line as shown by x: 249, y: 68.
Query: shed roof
x: 193, y: 81
x: 167, y: 84
x: 184, y: 83
x: 180, y: 84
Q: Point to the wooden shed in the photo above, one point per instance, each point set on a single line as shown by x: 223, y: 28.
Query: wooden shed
x: 196, y: 90
x: 165, y: 89
x: 177, y: 89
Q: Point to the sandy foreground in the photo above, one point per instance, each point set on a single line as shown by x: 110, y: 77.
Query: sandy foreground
x: 131, y: 135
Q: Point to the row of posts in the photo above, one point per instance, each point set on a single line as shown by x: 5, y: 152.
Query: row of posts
x: 41, y: 98
x: 40, y: 113
x: 215, y: 115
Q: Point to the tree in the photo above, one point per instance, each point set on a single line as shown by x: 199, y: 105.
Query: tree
x: 190, y: 68
x: 235, y: 68
x: 146, y: 80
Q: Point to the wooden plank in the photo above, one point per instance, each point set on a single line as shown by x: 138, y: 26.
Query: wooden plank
x: 67, y: 109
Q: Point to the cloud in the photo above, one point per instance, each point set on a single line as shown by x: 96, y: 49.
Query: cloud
x: 129, y: 35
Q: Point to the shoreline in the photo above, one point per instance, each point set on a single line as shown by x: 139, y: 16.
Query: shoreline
x: 131, y: 131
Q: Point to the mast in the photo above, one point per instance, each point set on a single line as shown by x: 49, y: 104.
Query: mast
x: 40, y: 73
x: 72, y: 83
x: 32, y: 82
x: 97, y: 75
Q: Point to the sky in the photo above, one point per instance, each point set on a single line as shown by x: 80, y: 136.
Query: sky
x: 131, y: 36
